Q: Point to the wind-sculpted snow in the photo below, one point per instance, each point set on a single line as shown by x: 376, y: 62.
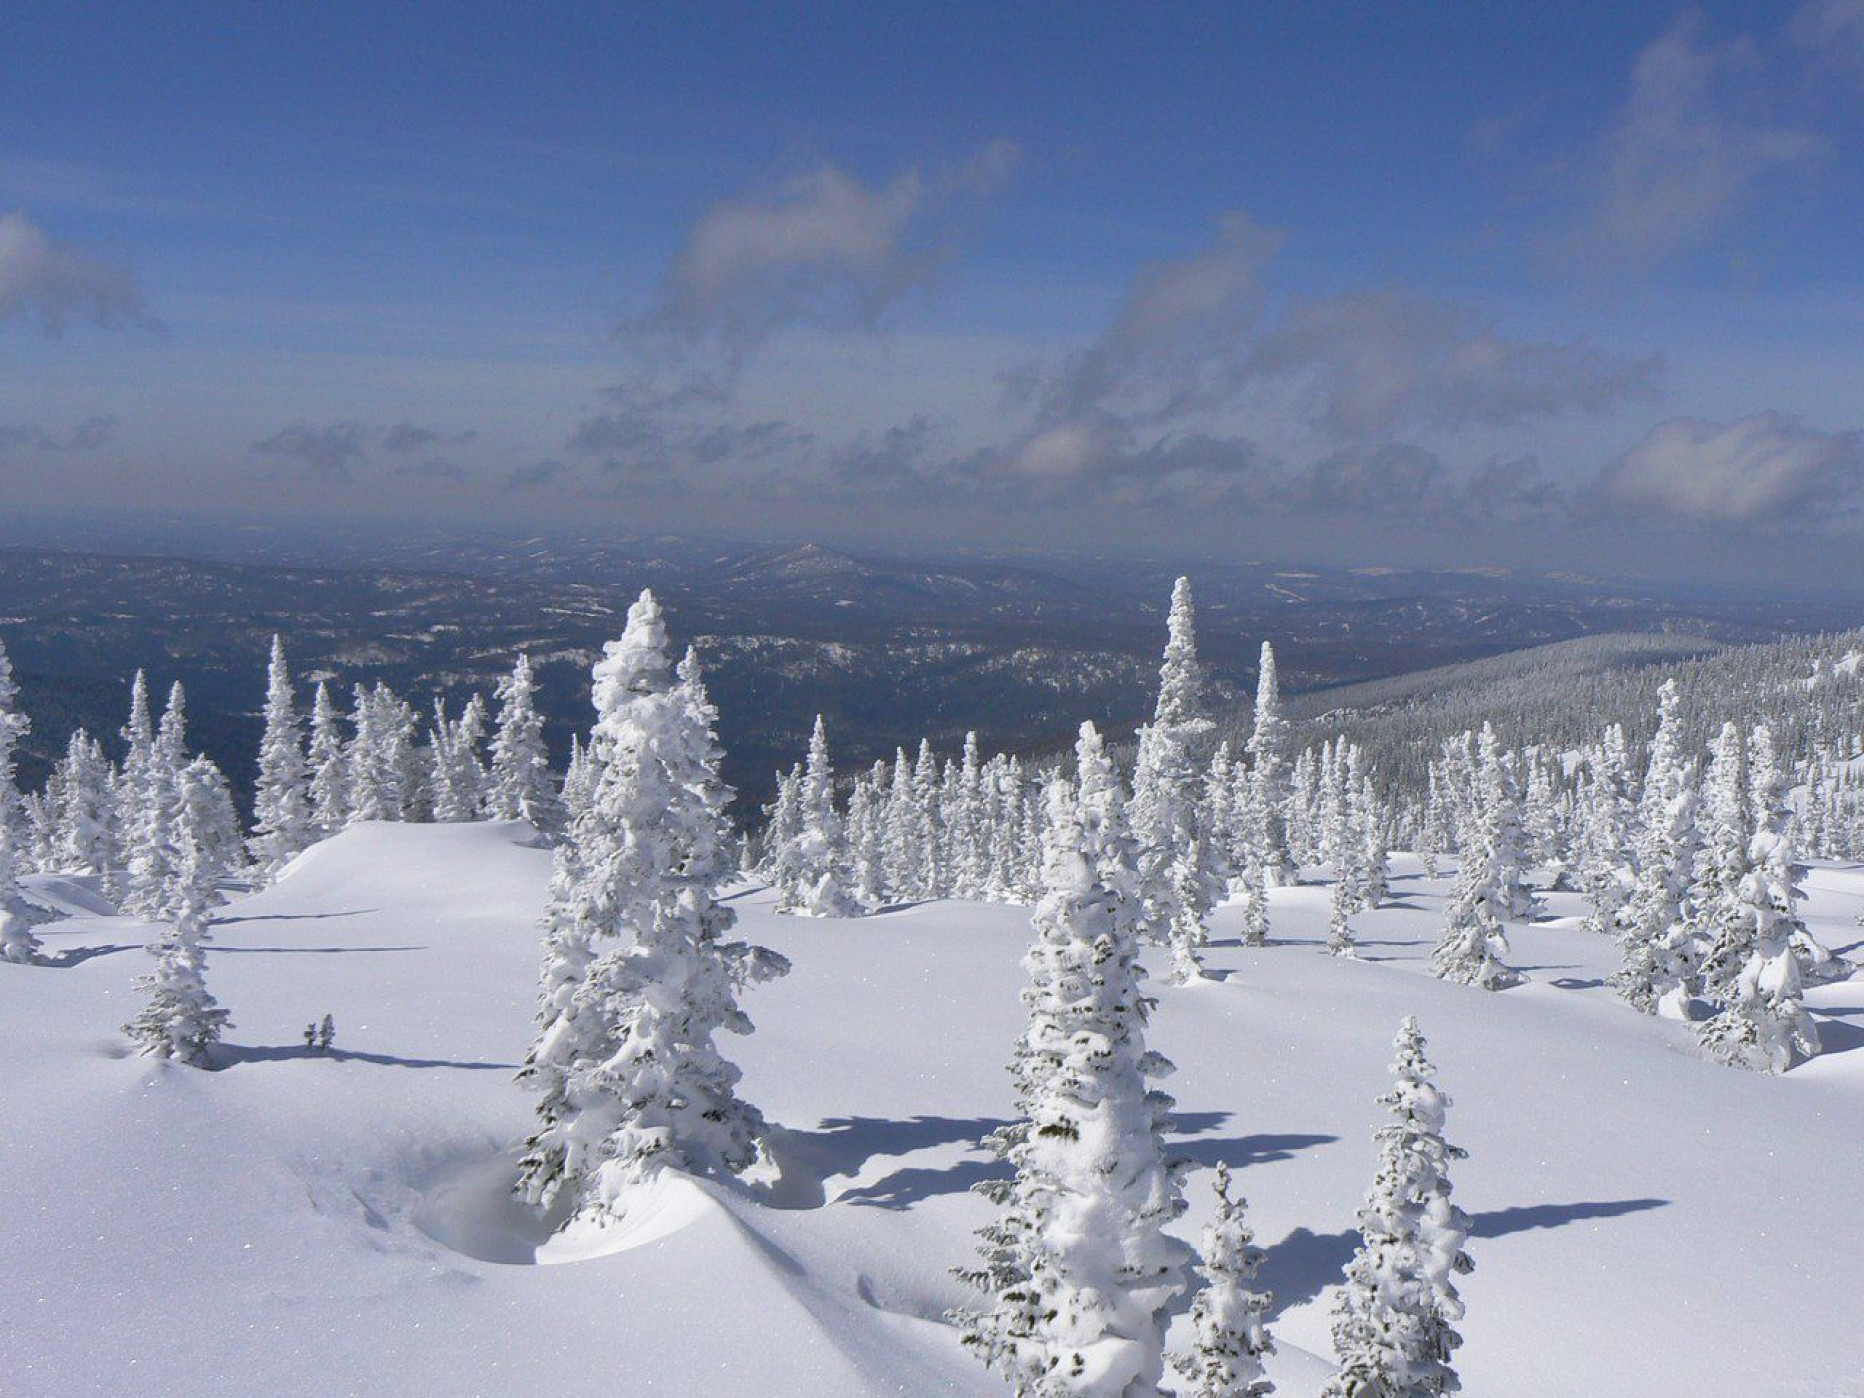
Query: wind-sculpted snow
x: 1643, y: 1221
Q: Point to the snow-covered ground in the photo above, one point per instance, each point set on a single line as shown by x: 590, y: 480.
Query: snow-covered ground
x: 1645, y: 1223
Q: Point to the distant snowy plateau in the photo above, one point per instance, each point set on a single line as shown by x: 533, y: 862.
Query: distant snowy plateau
x: 1645, y: 1223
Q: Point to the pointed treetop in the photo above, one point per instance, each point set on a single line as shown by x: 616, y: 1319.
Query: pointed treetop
x: 637, y: 664
x: 1179, y: 678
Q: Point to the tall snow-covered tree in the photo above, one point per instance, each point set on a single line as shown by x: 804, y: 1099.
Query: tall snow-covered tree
x: 151, y: 852
x: 1474, y: 935
x: 638, y: 977
x: 458, y: 781
x: 1659, y: 936
x: 1178, y: 880
x: 85, y: 840
x: 329, y: 767
x: 522, y: 786
x: 1268, y: 756
x: 1077, y: 1273
x: 1763, y: 1024
x: 813, y: 865
x: 281, y: 806
x: 18, y: 942
x: 1229, y: 1319
x: 180, y: 1018
x: 1340, y: 907
x: 1722, y: 924
x: 1394, y: 1323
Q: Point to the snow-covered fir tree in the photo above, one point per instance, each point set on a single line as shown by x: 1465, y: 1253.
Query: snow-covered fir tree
x: 1722, y: 922
x: 812, y: 864
x: 1341, y: 905
x: 150, y: 852
x: 84, y: 841
x: 131, y: 785
x: 1077, y: 1273
x: 1268, y: 756
x: 579, y: 779
x: 1229, y: 1319
x: 180, y: 1018
x: 1178, y: 880
x: 638, y: 977
x: 1375, y: 872
x: 329, y: 766
x: 1763, y: 1023
x: 1604, y: 825
x: 1394, y: 1323
x: 281, y: 804
x: 1474, y: 935
x: 18, y: 942
x: 521, y: 786
x: 458, y: 780
x: 1658, y: 937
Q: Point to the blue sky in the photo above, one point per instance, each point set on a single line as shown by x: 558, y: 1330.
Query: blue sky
x: 1382, y: 282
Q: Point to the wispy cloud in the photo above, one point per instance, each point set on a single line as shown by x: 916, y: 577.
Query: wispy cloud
x: 327, y: 451
x: 52, y: 283
x: 1197, y: 340
x: 821, y: 247
x: 1765, y: 469
x: 92, y: 434
x: 409, y: 436
x: 1692, y: 146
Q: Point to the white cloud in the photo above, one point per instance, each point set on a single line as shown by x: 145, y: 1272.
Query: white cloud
x: 44, y: 279
x: 1691, y: 146
x: 821, y: 247
x: 1764, y: 469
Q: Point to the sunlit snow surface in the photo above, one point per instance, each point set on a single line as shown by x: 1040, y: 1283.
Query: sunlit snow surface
x: 1646, y: 1223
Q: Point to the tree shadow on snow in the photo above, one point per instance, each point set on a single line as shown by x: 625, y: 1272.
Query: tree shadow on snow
x: 1577, y: 982
x: 1498, y: 1223
x: 287, y: 917
x: 845, y: 1145
x: 77, y: 956
x: 1838, y: 1035
x: 1239, y: 1152
x: 232, y: 1055
x: 1305, y: 1264
x: 219, y: 950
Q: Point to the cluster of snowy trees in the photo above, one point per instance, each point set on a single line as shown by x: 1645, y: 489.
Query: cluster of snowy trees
x: 121, y: 820
x: 159, y: 831
x: 1076, y: 1273
x: 1686, y: 852
x: 1688, y: 858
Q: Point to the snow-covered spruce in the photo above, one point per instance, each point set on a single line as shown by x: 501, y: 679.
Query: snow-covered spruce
x: 521, y: 786
x: 281, y: 804
x: 1763, y: 1024
x: 1659, y: 932
x: 329, y: 767
x: 1474, y: 936
x: 1229, y: 1319
x: 1179, y: 881
x: 638, y: 978
x: 811, y: 860
x: 180, y: 1018
x: 1268, y: 779
x: 18, y: 942
x: 1340, y: 905
x: 458, y: 780
x: 1394, y: 1323
x: 1077, y: 1272
x: 150, y: 852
